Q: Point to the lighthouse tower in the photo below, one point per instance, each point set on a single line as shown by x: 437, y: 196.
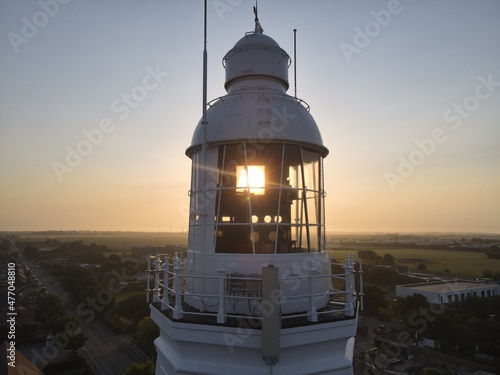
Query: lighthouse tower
x: 255, y: 292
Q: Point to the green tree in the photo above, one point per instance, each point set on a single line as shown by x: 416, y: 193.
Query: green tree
x: 5, y: 245
x: 381, y: 276
x: 80, y: 252
x: 373, y: 299
x: 388, y: 260
x: 31, y: 251
x: 114, y: 258
x: 28, y: 332
x: 422, y: 267
x: 474, y: 306
x: 495, y: 307
x: 112, y: 262
x: 141, y: 368
x: 411, y: 304
x: 494, y: 252
x: 444, y: 328
x: 133, y: 307
x: 49, y: 307
x: 369, y: 256
x: 488, y: 274
x: 72, y: 337
x: 147, y: 332
x: 80, y: 283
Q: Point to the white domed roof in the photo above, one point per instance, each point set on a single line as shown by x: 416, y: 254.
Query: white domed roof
x: 259, y: 117
x: 256, y: 56
x: 256, y: 38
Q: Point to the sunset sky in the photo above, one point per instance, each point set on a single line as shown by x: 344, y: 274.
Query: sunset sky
x: 99, y: 101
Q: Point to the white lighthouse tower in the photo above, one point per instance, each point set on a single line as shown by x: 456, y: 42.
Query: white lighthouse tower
x: 255, y: 292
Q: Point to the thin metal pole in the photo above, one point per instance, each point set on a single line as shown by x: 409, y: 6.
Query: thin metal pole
x: 295, y: 60
x: 204, y: 109
x: 205, y: 69
x: 203, y: 213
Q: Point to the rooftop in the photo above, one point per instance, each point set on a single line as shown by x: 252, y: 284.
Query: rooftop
x: 448, y: 286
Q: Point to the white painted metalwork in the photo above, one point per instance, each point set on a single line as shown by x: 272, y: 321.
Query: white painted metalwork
x: 341, y: 302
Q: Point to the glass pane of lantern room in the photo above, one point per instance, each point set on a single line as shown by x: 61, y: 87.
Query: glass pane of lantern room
x: 193, y: 201
x: 311, y: 163
x: 247, y: 191
x: 295, y: 204
x: 231, y: 209
x: 264, y: 161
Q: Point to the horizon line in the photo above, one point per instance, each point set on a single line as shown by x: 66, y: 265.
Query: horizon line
x: 357, y: 232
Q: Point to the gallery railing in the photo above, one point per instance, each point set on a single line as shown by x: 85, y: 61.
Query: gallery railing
x: 171, y: 293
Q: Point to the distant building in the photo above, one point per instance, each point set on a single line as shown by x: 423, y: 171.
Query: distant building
x: 26, y: 303
x: 152, y: 250
x: 450, y: 293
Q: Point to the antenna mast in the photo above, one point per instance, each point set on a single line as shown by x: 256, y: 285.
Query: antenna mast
x: 204, y: 123
x: 295, y: 60
x: 204, y: 116
x: 258, y: 27
x: 204, y: 113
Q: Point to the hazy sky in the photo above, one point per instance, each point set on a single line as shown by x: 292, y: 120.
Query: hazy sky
x: 99, y: 100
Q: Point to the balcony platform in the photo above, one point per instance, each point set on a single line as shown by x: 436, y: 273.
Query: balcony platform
x: 328, y: 314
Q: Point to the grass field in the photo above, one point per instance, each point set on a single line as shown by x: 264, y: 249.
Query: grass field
x: 466, y: 263
x: 114, y: 240
x: 121, y: 296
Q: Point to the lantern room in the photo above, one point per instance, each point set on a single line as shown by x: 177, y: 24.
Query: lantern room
x: 257, y: 194
x: 263, y: 177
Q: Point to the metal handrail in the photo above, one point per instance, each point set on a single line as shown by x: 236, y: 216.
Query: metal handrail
x: 178, y: 291
x: 220, y: 98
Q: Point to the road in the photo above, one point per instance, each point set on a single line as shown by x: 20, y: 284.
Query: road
x: 106, y: 353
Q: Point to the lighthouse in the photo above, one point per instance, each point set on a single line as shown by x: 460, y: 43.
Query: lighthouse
x: 255, y: 292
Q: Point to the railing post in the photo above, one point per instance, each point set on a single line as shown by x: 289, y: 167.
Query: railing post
x: 177, y: 313
x: 361, y: 293
x: 156, y: 289
x: 221, y: 313
x: 350, y: 290
x: 165, y: 300
x: 313, y: 314
x: 148, y: 281
x: 271, y: 317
